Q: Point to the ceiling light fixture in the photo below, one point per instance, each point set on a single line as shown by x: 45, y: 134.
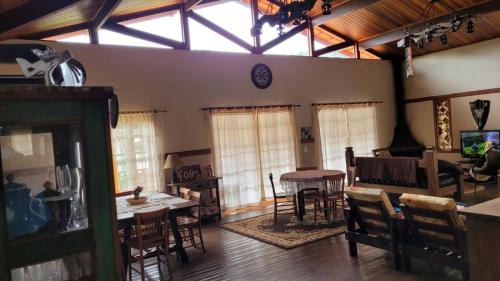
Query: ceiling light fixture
x: 294, y: 12
x: 434, y: 30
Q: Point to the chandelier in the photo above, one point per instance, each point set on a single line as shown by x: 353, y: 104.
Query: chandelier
x: 433, y: 30
x: 294, y: 12
x: 437, y: 30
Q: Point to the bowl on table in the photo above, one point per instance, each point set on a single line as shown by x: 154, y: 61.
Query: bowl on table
x: 136, y: 201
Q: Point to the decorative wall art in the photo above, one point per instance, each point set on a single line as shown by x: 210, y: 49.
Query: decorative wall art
x: 306, y: 133
x: 442, y: 119
x: 480, y: 110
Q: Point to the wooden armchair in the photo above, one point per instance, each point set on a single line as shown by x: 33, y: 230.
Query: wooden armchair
x: 376, y: 219
x: 433, y: 231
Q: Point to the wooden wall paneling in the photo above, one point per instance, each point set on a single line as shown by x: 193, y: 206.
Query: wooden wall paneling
x: 456, y: 95
x: 30, y: 11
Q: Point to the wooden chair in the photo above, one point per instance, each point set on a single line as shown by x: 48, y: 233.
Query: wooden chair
x: 185, y: 193
x: 376, y: 220
x: 151, y: 231
x: 189, y: 223
x: 433, y: 231
x: 333, y: 191
x: 309, y: 193
x: 282, y: 206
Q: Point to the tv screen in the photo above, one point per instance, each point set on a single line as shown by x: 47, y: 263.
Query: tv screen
x: 475, y: 143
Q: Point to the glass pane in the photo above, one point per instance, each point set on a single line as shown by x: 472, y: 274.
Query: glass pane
x: 166, y: 25
x: 75, y: 267
x: 43, y: 179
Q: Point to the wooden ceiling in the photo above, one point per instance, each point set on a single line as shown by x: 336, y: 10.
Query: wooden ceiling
x: 373, y: 23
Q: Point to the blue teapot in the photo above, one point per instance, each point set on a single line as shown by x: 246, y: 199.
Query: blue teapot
x: 25, y: 215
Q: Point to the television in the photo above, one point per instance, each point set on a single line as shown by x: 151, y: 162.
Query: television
x: 473, y: 144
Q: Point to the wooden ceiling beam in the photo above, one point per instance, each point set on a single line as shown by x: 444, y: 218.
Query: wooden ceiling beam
x: 104, y: 13
x: 189, y: 4
x: 333, y: 48
x: 484, y: 7
x: 118, y: 28
x: 30, y: 11
x: 342, y: 9
x: 219, y: 30
x: 269, y: 45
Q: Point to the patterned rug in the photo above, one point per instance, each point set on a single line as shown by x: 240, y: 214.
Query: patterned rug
x: 288, y: 233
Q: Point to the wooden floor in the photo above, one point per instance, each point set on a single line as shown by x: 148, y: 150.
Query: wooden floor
x: 235, y: 257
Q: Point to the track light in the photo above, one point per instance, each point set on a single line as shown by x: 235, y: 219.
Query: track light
x: 455, y: 25
x: 444, y: 39
x: 420, y: 43
x: 429, y: 37
x: 407, y: 42
x: 326, y: 7
x: 470, y: 25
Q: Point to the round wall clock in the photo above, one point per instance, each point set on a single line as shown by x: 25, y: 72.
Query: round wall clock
x: 262, y: 77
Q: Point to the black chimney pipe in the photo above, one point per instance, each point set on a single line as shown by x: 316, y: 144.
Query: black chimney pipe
x: 403, y: 143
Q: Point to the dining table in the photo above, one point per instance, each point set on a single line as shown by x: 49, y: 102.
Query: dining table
x: 295, y: 183
x: 177, y: 207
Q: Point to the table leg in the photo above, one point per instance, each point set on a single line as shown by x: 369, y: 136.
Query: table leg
x: 300, y: 202
x: 172, y: 217
x: 218, y: 201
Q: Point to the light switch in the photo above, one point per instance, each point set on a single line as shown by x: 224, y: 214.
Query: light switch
x: 305, y: 149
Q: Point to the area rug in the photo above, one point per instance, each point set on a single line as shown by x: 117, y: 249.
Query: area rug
x: 289, y: 232
x: 469, y: 188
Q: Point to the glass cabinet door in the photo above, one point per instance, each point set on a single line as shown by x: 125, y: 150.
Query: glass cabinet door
x: 75, y: 267
x: 44, y: 180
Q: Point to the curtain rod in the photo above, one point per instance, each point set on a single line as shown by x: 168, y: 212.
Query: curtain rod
x: 251, y: 106
x: 341, y: 103
x: 142, y: 111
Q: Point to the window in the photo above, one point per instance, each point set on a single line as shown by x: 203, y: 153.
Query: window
x: 137, y: 152
x: 248, y: 145
x: 22, y: 141
x: 345, y: 125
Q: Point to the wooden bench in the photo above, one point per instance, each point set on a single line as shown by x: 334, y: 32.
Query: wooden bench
x: 429, y: 163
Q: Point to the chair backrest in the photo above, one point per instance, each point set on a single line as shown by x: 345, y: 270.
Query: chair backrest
x: 434, y: 221
x: 151, y: 225
x: 334, y: 185
x: 272, y: 185
x: 372, y: 210
x: 196, y: 197
x: 185, y: 193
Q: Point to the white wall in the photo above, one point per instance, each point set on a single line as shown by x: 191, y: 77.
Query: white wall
x: 183, y: 82
x: 469, y: 68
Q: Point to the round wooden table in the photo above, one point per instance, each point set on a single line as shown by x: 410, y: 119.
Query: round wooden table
x: 296, y: 182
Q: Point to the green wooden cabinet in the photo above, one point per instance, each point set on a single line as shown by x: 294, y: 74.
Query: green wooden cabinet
x: 57, y: 207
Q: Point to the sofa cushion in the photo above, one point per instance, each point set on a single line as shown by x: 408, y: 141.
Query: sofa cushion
x: 440, y: 204
x: 372, y: 195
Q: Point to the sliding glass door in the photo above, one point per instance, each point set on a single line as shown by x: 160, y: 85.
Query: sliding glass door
x: 247, y: 146
x: 345, y: 125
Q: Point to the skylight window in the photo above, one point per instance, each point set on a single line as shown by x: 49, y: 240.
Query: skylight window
x: 237, y: 20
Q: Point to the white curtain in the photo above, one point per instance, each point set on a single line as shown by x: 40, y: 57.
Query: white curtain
x: 345, y: 125
x: 235, y: 147
x: 137, y: 149
x: 247, y: 146
x: 277, y: 146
